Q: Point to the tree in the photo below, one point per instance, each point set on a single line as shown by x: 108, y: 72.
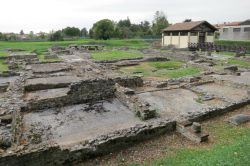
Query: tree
x: 1, y: 36
x: 71, y: 31
x: 84, y: 32
x: 122, y: 29
x: 31, y: 34
x: 103, y: 29
x: 56, y: 36
x: 21, y: 32
x: 160, y: 22
x: 124, y: 23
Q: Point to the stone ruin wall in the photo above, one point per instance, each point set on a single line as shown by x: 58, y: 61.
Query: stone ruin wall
x: 86, y: 91
x: 55, y: 155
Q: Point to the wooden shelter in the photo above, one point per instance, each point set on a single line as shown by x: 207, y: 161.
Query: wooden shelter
x: 181, y: 34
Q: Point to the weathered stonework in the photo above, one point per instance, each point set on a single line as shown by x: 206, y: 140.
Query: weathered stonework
x: 142, y: 109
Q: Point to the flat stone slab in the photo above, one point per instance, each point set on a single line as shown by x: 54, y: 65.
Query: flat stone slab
x: 49, y: 67
x: 74, y: 124
x: 46, y: 94
x: 229, y: 93
x: 239, y: 119
x: 71, y: 58
x: 244, y: 78
x: 49, y: 82
x: 4, y: 80
x: 173, y: 103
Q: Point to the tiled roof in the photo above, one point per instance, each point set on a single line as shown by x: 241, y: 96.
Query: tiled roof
x: 185, y: 26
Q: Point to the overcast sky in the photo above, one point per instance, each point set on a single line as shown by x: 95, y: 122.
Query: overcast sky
x: 47, y: 15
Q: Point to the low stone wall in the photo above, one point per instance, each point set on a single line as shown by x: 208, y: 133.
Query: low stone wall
x: 129, y: 81
x: 127, y: 97
x: 55, y: 155
x: 83, y: 92
x: 92, y: 90
x: 213, y: 112
x: 42, y: 86
x: 80, y: 92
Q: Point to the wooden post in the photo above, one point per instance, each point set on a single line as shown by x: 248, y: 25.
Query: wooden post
x: 198, y: 34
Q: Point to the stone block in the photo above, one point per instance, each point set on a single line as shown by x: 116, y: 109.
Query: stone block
x: 239, y: 119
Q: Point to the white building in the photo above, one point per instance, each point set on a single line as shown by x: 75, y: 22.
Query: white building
x: 235, y: 31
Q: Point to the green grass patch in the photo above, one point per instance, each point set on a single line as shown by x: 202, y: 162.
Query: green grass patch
x: 168, y: 69
x: 2, y: 53
x: 239, y: 62
x: 190, y: 71
x: 113, y: 55
x: 3, y: 66
x: 231, y: 148
x: 167, y: 65
x: 41, y: 47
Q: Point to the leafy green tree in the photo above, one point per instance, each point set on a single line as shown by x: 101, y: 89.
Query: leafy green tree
x: 84, y: 32
x: 31, y: 34
x: 1, y: 36
x: 122, y: 29
x: 124, y: 23
x: 71, y: 31
x: 91, y: 33
x: 56, y: 36
x: 103, y: 29
x: 21, y: 32
x: 160, y: 22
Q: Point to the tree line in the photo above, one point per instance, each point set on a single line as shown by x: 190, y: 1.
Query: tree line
x: 105, y: 29
x: 123, y: 29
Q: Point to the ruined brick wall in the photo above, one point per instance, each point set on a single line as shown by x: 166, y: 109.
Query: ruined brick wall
x: 86, y: 91
x: 92, y: 90
x: 129, y: 81
x: 142, y: 109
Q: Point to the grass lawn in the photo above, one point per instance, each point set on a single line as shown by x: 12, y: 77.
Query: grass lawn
x: 112, y: 55
x: 3, y: 67
x: 42, y: 46
x: 239, y: 62
x: 167, y: 65
x: 229, y: 146
x: 168, y: 69
x: 2, y: 53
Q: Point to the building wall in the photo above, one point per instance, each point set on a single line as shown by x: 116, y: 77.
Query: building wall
x: 193, y: 39
x: 175, y: 41
x: 210, y: 39
x: 184, y: 41
x: 167, y: 40
x: 229, y: 34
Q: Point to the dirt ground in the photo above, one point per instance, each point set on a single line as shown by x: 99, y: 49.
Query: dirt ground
x: 161, y: 146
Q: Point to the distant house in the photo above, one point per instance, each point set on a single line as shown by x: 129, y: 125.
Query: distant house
x: 235, y: 30
x: 181, y: 34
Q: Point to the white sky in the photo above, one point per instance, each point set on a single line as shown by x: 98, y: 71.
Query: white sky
x: 47, y: 15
